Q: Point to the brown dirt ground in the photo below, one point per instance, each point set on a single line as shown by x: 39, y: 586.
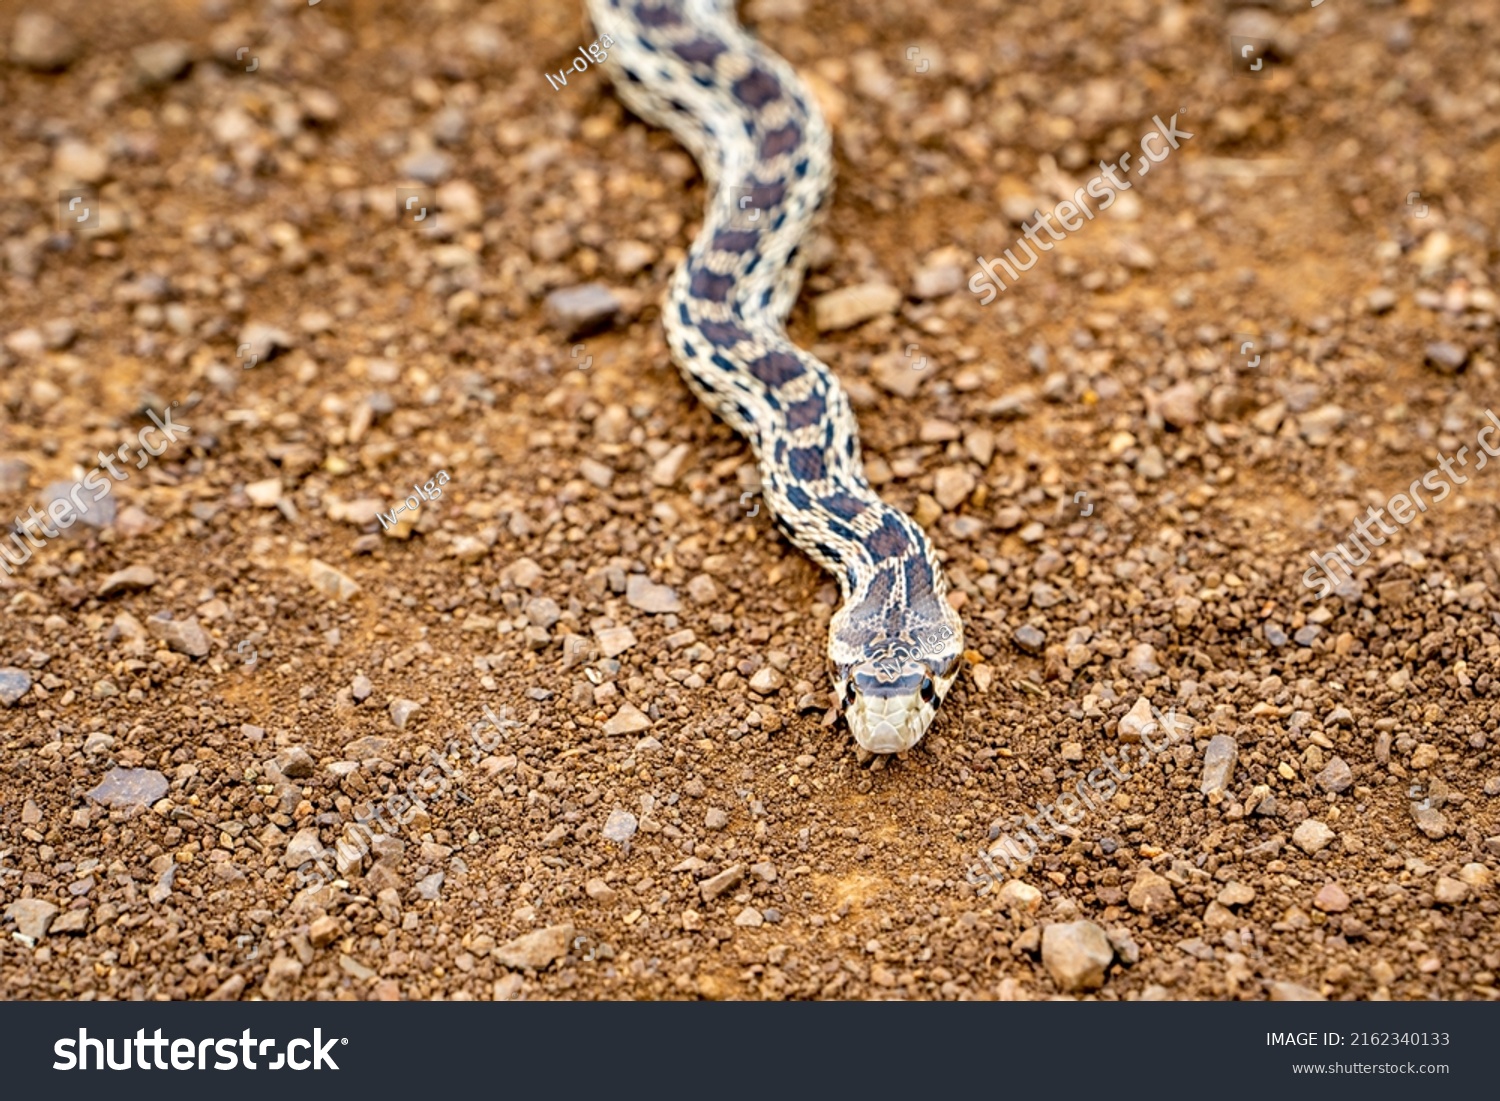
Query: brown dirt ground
x: 240, y: 198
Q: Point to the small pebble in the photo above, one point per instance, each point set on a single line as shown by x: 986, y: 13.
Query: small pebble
x: 130, y: 787
x: 1312, y: 836
x: 1076, y: 955
x: 582, y: 310
x: 620, y: 826
x: 402, y: 710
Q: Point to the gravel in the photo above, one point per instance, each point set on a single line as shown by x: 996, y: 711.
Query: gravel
x: 397, y: 349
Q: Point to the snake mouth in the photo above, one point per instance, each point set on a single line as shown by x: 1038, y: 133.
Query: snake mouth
x: 885, y: 724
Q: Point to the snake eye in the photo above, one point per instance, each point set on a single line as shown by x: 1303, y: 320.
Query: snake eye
x: 928, y: 691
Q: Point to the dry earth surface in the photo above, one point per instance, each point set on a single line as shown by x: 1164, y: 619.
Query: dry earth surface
x: 212, y: 674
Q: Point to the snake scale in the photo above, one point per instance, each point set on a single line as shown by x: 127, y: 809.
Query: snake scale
x: 895, y: 643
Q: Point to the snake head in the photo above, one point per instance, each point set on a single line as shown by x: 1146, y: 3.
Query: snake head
x: 890, y: 698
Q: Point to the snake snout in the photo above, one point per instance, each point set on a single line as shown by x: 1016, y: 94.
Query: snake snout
x: 885, y: 724
x: 885, y: 738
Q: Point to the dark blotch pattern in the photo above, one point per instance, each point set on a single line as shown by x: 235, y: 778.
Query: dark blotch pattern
x: 889, y: 540
x: 735, y: 240
x: 805, y: 413
x: 657, y: 17
x: 723, y: 334
x: 713, y: 287
x: 807, y: 463
x: 798, y: 497
x: 701, y: 51
x: 780, y: 141
x: 757, y: 88
x: 776, y: 368
x: 918, y: 579
x: 843, y: 505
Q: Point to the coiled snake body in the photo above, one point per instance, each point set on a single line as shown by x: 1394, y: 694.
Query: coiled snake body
x: 761, y: 141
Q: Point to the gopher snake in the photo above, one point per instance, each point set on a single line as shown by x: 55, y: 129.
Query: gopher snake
x: 761, y: 141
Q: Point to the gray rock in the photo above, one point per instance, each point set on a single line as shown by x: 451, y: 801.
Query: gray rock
x: 330, y: 581
x: 1319, y: 426
x: 543, y: 611
x: 304, y: 846
x: 1142, y: 660
x: 72, y: 921
x: 130, y: 579
x: 14, y: 683
x: 630, y: 719
x: 582, y: 310
x: 1124, y: 945
x: 1447, y: 356
x: 266, y: 341
x: 937, y: 280
x: 431, y: 167
x: 161, y: 62
x: 368, y: 747
x: 715, y: 886
x: 130, y: 787
x: 620, y: 826
x: 32, y: 916
x: 1431, y: 821
x: 295, y: 763
x: 1076, y: 954
x: 668, y: 468
x: 849, y: 306
x: 1336, y: 777
x: 1312, y: 836
x: 641, y: 593
x: 94, y: 514
x: 1030, y: 639
x: 41, y: 43
x: 14, y: 474
x: 1218, y: 763
x: 402, y: 710
x: 614, y: 641
x: 161, y: 890
x: 182, y: 635
x: 600, y: 891
x: 429, y: 887
x: 538, y: 949
x: 1179, y: 405
x: 361, y: 688
x: 1152, y: 894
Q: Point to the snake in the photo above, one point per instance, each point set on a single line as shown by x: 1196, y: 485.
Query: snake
x: 895, y: 643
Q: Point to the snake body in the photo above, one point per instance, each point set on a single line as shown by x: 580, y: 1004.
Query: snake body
x: 758, y: 136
